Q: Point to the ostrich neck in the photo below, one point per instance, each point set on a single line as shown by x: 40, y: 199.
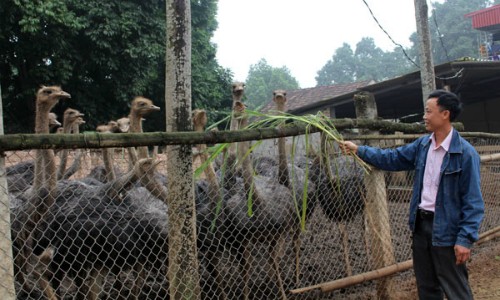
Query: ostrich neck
x: 213, y: 184
x: 108, y: 163
x: 75, y: 127
x: 45, y: 166
x: 201, y: 147
x: 247, y: 170
x: 67, y: 127
x: 283, y: 174
x: 42, y: 118
x: 136, y: 127
x: 118, y: 185
x: 154, y: 187
x: 135, y: 122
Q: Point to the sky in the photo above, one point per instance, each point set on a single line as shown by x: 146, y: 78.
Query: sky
x: 304, y: 34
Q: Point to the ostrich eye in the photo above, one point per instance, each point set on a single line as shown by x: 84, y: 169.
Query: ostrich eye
x: 48, y: 92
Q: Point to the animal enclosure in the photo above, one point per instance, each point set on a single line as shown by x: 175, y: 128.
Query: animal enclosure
x: 259, y: 235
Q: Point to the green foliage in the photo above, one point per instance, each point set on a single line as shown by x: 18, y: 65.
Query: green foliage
x: 452, y: 37
x: 211, y: 86
x: 104, y: 53
x: 367, y: 62
x: 263, y: 80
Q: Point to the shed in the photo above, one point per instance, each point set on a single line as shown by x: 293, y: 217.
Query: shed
x: 400, y: 99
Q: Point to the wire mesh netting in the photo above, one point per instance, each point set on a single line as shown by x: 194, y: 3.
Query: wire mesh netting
x: 102, y: 231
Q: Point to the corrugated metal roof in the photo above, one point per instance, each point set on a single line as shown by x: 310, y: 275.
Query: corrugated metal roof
x: 485, y: 17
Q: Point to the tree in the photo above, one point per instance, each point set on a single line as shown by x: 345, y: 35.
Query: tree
x: 182, y: 263
x: 452, y: 37
x: 452, y: 34
x: 340, y: 69
x: 103, y: 53
x: 367, y: 62
x: 263, y: 80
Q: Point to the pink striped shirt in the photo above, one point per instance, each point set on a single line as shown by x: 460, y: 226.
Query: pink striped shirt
x: 432, y: 173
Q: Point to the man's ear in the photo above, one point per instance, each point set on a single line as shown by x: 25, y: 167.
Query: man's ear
x: 446, y: 114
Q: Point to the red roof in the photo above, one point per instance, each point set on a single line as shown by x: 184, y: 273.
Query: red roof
x: 485, y: 17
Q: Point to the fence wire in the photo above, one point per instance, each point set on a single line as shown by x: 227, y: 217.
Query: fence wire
x: 261, y: 232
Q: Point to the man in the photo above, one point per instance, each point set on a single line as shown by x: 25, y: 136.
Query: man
x: 446, y: 207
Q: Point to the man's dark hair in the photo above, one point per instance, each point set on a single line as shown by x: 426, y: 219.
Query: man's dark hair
x: 447, y: 101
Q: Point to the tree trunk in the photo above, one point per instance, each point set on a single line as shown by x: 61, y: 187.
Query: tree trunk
x: 378, y: 229
x: 426, y: 65
x: 6, y: 262
x: 183, y: 265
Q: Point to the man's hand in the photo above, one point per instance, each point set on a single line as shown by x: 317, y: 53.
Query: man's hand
x: 348, y: 147
x: 462, y: 254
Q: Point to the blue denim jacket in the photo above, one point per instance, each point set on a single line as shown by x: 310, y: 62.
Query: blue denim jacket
x: 459, y: 204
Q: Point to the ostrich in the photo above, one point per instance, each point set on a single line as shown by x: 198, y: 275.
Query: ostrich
x: 140, y: 108
x: 123, y: 124
x: 107, y: 153
x: 340, y: 191
x: 238, y: 89
x: 47, y: 98
x: 43, y: 191
x: 209, y: 220
x: 53, y: 123
x: 75, y: 166
x: 272, y: 214
x: 94, y: 233
x: 70, y: 125
x: 296, y: 183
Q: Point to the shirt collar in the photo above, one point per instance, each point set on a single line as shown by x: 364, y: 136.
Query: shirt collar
x: 446, y: 142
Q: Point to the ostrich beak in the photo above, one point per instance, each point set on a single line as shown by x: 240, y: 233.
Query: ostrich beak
x: 154, y: 107
x: 63, y: 94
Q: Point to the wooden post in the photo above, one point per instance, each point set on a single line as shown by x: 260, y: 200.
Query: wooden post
x: 183, y: 259
x: 426, y: 65
x: 6, y: 260
x: 378, y: 230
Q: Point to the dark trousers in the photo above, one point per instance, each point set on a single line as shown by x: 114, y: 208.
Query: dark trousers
x: 435, y: 268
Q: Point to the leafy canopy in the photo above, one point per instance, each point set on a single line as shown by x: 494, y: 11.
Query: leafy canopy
x: 104, y: 53
x: 452, y: 37
x: 263, y: 80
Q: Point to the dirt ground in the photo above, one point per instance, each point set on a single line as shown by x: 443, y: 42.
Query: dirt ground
x: 484, y: 273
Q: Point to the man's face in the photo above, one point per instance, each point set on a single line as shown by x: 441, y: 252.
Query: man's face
x: 435, y: 117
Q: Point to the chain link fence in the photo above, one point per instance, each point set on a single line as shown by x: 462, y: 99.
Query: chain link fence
x: 262, y: 231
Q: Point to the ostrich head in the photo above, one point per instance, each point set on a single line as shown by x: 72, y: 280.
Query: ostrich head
x: 53, y: 123
x: 199, y: 119
x: 111, y: 127
x: 123, y: 124
x: 146, y: 166
x: 49, y: 96
x: 238, y: 89
x: 279, y: 97
x: 80, y: 121
x: 142, y: 107
x: 71, y: 116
